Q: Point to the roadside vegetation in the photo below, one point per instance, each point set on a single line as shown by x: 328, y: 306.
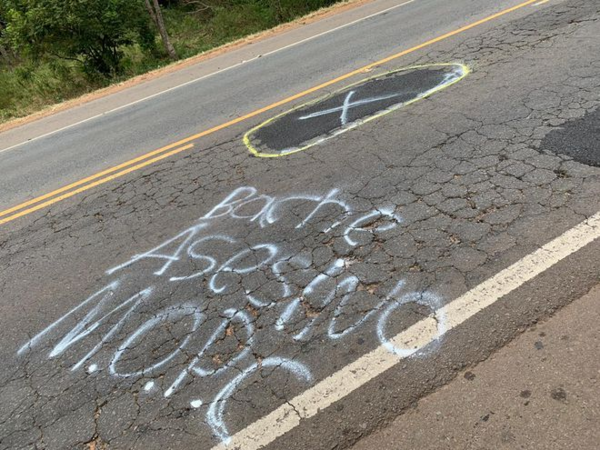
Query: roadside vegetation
x: 54, y: 50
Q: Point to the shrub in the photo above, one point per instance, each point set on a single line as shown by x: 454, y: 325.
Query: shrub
x: 91, y: 32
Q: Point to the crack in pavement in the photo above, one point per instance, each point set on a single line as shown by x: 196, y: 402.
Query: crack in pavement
x: 433, y: 209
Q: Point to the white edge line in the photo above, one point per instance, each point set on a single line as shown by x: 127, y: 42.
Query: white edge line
x: 345, y: 381
x: 187, y: 83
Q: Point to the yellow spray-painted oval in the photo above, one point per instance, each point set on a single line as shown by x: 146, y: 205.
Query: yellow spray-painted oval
x: 464, y: 71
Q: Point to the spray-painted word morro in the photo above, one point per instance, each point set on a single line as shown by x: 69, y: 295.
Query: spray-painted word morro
x: 235, y: 297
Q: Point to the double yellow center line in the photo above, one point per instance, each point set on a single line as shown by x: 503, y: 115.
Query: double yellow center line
x: 88, y: 183
x: 147, y: 159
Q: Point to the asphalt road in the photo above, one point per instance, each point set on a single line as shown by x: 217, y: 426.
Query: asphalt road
x: 215, y: 299
x: 50, y: 163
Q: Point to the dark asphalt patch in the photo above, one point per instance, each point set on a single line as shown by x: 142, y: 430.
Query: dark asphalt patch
x: 579, y: 139
x: 318, y: 121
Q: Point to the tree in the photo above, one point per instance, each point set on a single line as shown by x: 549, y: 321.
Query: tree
x: 153, y: 8
x: 92, y: 32
x: 5, y: 56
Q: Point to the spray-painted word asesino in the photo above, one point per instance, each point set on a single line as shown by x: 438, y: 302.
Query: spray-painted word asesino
x: 235, y: 294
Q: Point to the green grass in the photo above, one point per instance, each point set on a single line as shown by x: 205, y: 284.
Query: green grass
x: 31, y: 87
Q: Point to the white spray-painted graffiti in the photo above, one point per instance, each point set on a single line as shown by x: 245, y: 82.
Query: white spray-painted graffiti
x: 239, y: 279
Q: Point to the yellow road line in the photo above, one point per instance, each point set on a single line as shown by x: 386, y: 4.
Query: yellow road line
x: 86, y: 180
x: 96, y: 183
x: 55, y: 197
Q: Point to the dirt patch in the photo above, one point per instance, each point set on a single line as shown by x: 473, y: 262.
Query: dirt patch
x: 179, y: 65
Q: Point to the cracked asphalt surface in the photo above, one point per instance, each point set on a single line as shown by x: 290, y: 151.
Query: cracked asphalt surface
x: 174, y: 307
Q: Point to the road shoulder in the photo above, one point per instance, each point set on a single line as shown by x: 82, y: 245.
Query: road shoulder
x: 542, y: 388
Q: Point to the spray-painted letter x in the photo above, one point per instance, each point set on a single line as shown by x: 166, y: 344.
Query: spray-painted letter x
x: 348, y: 104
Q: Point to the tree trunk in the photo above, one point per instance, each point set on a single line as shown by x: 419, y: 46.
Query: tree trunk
x: 157, y: 18
x: 150, y: 9
x: 5, y: 55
